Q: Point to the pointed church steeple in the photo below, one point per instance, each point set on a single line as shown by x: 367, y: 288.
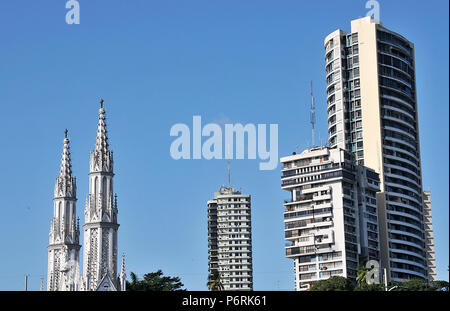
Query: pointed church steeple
x: 101, y: 213
x: 65, y: 185
x: 100, y: 262
x: 123, y: 274
x: 66, y: 163
x: 101, y: 159
x: 101, y: 143
x: 64, y: 246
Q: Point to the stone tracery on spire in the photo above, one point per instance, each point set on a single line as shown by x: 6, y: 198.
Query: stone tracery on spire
x: 100, y: 221
x: 65, y: 183
x: 66, y: 162
x: 101, y: 156
x: 101, y: 143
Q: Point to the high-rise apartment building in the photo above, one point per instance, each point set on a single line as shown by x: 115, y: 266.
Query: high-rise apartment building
x: 230, y: 239
x: 429, y: 237
x: 372, y: 112
x: 331, y: 224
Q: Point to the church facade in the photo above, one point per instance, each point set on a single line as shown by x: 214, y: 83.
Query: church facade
x: 100, y: 229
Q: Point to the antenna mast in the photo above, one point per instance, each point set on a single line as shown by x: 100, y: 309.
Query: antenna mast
x: 229, y: 165
x: 229, y: 173
x: 313, y: 114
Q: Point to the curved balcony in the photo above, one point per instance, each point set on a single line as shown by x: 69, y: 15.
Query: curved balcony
x: 403, y: 178
x: 410, y: 123
x: 398, y: 241
x: 408, y: 84
x: 403, y: 110
x: 399, y: 160
x: 400, y: 100
x: 402, y: 187
x: 413, y: 274
x: 415, y: 232
x: 402, y: 132
x: 398, y: 213
x: 408, y: 144
x: 417, y: 255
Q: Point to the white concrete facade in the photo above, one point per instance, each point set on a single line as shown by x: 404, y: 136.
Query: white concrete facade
x: 429, y: 237
x: 331, y: 223
x: 372, y: 112
x: 230, y: 238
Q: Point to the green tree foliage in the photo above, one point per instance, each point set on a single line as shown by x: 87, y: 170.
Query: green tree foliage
x: 154, y: 281
x: 339, y: 283
x: 361, y: 281
x: 335, y: 283
x: 441, y: 285
x: 364, y: 287
x: 415, y: 285
x: 214, y: 281
x: 361, y: 276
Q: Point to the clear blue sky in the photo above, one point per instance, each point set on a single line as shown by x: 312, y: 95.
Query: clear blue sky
x: 157, y: 63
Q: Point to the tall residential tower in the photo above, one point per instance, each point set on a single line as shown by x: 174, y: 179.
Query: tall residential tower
x: 230, y: 239
x: 372, y: 112
x: 331, y: 224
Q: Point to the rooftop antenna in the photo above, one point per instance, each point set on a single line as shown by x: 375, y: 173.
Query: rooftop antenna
x: 26, y: 281
x: 42, y: 283
x: 229, y: 166
x: 313, y: 114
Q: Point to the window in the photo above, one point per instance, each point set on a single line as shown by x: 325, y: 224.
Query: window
x: 330, y: 56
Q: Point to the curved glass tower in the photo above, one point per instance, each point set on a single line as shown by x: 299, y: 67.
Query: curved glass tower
x: 372, y: 112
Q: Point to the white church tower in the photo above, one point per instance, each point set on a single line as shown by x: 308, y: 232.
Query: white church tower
x: 100, y: 227
x: 64, y: 247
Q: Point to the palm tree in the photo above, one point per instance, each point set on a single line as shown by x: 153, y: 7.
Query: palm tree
x: 134, y: 282
x: 361, y: 275
x: 214, y: 281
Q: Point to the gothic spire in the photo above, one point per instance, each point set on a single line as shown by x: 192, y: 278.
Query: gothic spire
x: 123, y: 274
x: 122, y: 268
x: 65, y: 183
x: 101, y: 156
x: 66, y: 163
x: 64, y: 234
x: 101, y: 143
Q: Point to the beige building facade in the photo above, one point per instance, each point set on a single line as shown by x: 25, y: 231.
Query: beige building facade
x: 372, y: 112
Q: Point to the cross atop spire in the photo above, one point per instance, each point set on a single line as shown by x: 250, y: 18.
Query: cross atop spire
x: 101, y: 102
x: 65, y: 132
